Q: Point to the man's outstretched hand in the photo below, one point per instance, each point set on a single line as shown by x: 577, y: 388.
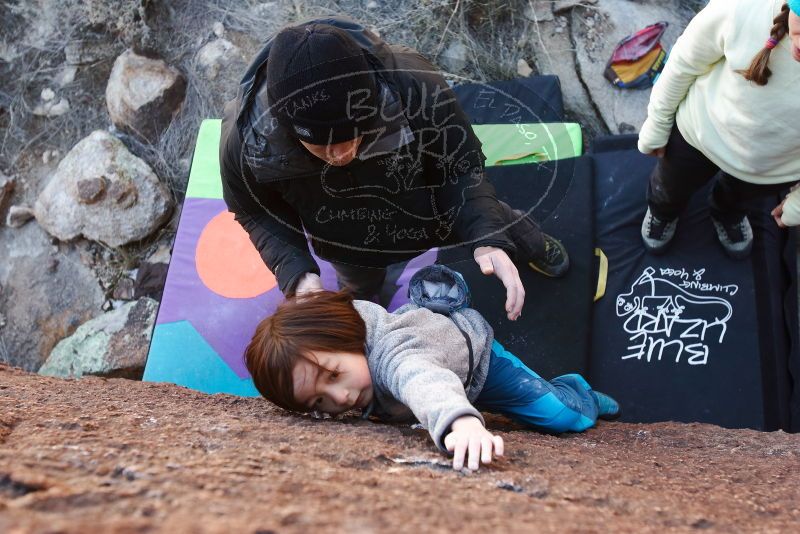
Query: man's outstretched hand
x: 493, y: 260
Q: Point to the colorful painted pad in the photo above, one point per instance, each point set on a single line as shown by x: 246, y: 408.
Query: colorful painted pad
x: 218, y: 288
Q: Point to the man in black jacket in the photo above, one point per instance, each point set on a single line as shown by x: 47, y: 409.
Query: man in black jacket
x: 362, y: 147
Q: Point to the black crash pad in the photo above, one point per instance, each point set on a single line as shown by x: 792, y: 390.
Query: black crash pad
x: 552, y: 335
x: 691, y: 335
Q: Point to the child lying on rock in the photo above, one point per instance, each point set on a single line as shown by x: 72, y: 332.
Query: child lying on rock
x: 329, y: 353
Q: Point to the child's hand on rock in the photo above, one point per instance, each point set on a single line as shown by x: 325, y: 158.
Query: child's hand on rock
x: 470, y: 439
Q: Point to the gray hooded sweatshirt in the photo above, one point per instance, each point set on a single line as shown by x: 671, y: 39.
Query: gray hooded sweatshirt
x: 419, y: 361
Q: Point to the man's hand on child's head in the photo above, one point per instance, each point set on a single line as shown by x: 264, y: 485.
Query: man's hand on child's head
x: 308, y: 282
x: 469, y: 438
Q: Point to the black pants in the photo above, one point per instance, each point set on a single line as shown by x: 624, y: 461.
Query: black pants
x: 366, y: 282
x: 684, y: 169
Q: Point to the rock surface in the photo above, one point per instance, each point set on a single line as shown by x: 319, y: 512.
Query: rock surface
x: 560, y: 6
x: 47, y: 293
x: 216, y: 54
x: 576, y: 44
x: 52, y: 108
x: 83, y: 52
x: 454, y: 58
x: 554, y: 53
x: 143, y: 95
x: 130, y: 205
x: 598, y: 30
x: 111, y: 455
x: 113, y: 344
x: 523, y: 69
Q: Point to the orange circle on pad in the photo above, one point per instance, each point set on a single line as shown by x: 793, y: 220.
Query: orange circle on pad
x: 228, y: 263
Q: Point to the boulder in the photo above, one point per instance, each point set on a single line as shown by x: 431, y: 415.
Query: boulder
x: 18, y: 216
x: 454, y: 58
x: 52, y: 108
x: 102, y: 192
x: 597, y: 31
x: 554, y: 54
x: 523, y: 69
x: 216, y: 54
x: 143, y: 95
x: 218, y: 28
x: 113, y: 344
x: 66, y: 75
x: 123, y: 289
x: 47, y: 293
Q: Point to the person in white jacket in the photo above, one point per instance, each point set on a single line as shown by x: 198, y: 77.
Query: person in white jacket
x: 727, y: 101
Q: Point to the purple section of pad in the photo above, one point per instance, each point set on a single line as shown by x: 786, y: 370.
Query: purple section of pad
x: 226, y: 324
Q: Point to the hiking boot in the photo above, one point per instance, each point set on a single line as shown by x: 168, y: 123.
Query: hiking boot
x: 657, y: 233
x: 736, y: 237
x: 555, y: 262
x: 607, y: 408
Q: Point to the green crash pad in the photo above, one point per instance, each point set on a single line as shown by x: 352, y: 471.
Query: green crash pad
x: 510, y: 144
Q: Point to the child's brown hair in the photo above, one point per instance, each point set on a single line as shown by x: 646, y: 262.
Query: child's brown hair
x: 759, y: 68
x: 323, y: 321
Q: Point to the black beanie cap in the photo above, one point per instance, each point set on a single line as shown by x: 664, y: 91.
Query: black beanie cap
x: 320, y: 85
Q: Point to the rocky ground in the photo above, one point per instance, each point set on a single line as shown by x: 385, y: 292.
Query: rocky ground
x: 119, y: 456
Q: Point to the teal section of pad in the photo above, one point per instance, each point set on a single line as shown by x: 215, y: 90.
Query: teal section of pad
x: 199, y: 367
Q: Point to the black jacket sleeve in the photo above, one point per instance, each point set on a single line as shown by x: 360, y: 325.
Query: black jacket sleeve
x: 455, y: 158
x: 273, y: 225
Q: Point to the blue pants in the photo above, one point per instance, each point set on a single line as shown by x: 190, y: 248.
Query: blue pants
x: 563, y: 404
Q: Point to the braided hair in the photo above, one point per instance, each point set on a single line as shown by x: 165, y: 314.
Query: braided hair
x: 759, y: 68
